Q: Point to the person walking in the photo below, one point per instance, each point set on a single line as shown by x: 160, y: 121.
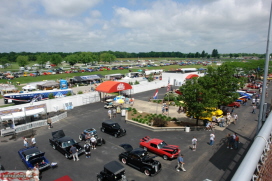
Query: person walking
x: 212, y: 138
x: 114, y: 112
x: 194, y: 143
x: 235, y: 118
x: 87, y: 148
x: 236, y: 141
x: 49, y: 122
x: 25, y: 142
x: 93, y: 142
x: 253, y: 109
x: 180, y: 164
x: 109, y: 113
x: 33, y: 141
x: 232, y: 110
x: 74, y: 152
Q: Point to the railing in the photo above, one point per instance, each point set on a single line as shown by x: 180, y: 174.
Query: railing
x: 257, y: 162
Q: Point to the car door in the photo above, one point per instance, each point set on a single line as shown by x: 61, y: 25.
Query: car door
x: 153, y: 148
x: 135, y: 161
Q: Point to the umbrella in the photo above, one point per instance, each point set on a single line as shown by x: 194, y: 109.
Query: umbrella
x: 120, y: 101
x: 118, y: 97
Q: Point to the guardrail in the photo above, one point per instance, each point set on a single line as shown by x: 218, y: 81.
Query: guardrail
x: 256, y: 157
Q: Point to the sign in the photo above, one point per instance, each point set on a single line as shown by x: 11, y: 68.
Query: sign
x: 10, y: 111
x: 11, y: 175
x: 35, y: 107
x: 120, y: 87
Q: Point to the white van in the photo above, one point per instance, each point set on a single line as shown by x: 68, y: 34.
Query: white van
x: 22, y: 68
x: 47, y: 66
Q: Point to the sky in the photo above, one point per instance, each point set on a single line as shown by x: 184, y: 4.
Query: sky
x: 230, y: 26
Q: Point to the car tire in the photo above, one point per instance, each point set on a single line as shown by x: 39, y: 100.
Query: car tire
x: 80, y: 137
x: 99, y: 179
x: 66, y: 156
x: 54, y: 147
x: 103, y: 130
x: 115, y: 135
x: 145, y: 148
x: 165, y: 157
x: 123, y: 160
x: 147, y: 172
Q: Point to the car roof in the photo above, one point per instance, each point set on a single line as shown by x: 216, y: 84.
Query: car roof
x: 66, y: 138
x: 109, y: 122
x: 31, y: 150
x: 155, y: 140
x: 114, y: 167
x: 138, y: 151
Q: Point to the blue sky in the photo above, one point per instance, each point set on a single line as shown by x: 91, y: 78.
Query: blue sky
x: 230, y: 26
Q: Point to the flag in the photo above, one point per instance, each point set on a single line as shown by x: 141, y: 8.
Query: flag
x: 156, y: 94
x: 168, y: 86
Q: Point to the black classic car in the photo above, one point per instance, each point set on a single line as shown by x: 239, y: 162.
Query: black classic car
x: 63, y: 143
x: 139, y: 159
x: 113, y: 171
x: 112, y: 128
x: 90, y: 132
x: 32, y: 156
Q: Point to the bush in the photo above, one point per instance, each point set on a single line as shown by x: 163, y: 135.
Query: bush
x: 79, y: 92
x: 69, y: 94
x: 129, y: 109
x: 136, y: 82
x: 159, y: 122
x: 51, y: 96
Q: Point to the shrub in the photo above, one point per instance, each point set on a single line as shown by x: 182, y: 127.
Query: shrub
x: 79, y: 92
x: 136, y: 82
x: 69, y: 94
x: 51, y: 96
x: 159, y: 122
x: 129, y: 109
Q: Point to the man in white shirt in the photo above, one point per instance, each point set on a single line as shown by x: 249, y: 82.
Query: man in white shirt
x: 212, y: 138
x: 194, y: 143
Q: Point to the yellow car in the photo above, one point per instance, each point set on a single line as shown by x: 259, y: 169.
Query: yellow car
x: 218, y: 113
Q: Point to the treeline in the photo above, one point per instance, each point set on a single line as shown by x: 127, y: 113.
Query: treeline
x: 12, y: 56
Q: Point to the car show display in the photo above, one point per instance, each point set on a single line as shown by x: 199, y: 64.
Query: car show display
x: 112, y: 128
x: 63, y: 144
x: 88, y: 133
x: 139, y: 159
x: 160, y: 148
x: 113, y: 171
x: 33, y: 156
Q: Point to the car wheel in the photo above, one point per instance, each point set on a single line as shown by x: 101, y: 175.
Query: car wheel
x: 99, y: 179
x: 115, y: 135
x: 146, y: 172
x: 80, y: 137
x: 54, y: 147
x: 102, y: 129
x: 145, y: 148
x: 66, y: 155
x: 124, y: 161
x: 165, y: 157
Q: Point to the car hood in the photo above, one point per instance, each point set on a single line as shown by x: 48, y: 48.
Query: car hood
x: 58, y: 134
x: 127, y: 147
x: 37, y: 156
x: 170, y: 147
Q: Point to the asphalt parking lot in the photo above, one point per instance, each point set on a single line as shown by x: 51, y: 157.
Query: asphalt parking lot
x: 208, y: 162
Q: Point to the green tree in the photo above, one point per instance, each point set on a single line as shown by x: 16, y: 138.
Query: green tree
x: 72, y: 59
x: 22, y: 60
x: 42, y: 59
x: 107, y: 57
x: 215, y: 53
x: 203, y: 54
x: 88, y: 57
x: 3, y: 61
x: 56, y: 59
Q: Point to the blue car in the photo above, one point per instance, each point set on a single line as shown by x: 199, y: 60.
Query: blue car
x: 245, y: 95
x: 32, y: 156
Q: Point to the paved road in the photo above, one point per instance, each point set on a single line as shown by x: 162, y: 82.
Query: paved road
x: 208, y: 162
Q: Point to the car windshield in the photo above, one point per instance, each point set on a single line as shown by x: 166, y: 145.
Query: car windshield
x: 68, y: 143
x: 161, y: 145
x: 31, y: 155
x: 116, y: 125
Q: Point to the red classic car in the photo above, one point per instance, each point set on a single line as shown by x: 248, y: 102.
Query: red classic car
x: 159, y: 147
x: 252, y: 86
x: 234, y: 104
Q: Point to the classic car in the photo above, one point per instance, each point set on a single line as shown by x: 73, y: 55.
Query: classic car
x: 234, y: 104
x: 91, y: 131
x: 139, y: 159
x: 251, y: 91
x: 113, y: 171
x: 32, y: 156
x: 112, y: 128
x: 159, y: 147
x: 63, y: 144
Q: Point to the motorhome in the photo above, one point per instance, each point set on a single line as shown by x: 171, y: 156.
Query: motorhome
x: 114, y: 76
x: 158, y: 71
x: 134, y: 74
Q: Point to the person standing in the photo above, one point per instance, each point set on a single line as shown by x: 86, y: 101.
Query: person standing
x: 253, y: 109
x: 236, y: 141
x: 93, y: 142
x: 74, y: 152
x: 33, y: 141
x: 194, y: 143
x: 36, y: 172
x: 25, y: 142
x: 235, y: 118
x: 114, y: 112
x: 49, y: 123
x: 166, y: 110
x: 180, y: 163
x: 212, y: 138
x: 109, y: 113
x: 87, y: 148
x: 232, y: 110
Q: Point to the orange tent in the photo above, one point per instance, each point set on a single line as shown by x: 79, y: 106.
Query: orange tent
x: 191, y: 76
x: 113, y: 86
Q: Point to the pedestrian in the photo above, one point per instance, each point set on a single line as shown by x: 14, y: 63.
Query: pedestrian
x: 223, y: 120
x: 232, y: 110
x: 212, y: 138
x: 114, y: 112
x: 29, y: 173
x: 131, y: 101
x: 74, y: 152
x: 33, y: 141
x: 235, y: 118
x: 194, y: 143
x: 228, y: 118
x: 87, y: 136
x: 229, y: 137
x: 109, y: 113
x: 49, y: 122
x: 253, y: 109
x: 87, y: 148
x: 25, y: 142
x: 166, y: 110
x: 163, y: 110
x: 93, y: 142
x: 180, y: 163
x: 179, y: 109
x: 36, y: 172
x: 236, y: 141
x: 208, y: 126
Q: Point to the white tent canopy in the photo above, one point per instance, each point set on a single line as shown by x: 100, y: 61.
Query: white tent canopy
x: 18, y: 115
x: 29, y: 87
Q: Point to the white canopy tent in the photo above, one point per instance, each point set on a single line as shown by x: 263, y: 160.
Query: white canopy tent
x: 29, y: 87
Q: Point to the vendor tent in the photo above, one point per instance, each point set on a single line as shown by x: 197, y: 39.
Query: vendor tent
x: 113, y: 86
x: 48, y: 85
x: 191, y: 76
x: 29, y: 87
